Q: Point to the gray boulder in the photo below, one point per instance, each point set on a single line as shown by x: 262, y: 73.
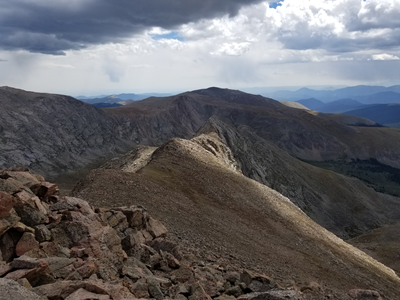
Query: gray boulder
x: 11, y: 290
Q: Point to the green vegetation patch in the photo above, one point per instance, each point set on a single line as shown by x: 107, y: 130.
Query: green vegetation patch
x: 380, y: 177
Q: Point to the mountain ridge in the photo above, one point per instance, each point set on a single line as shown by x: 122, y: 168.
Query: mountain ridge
x: 219, y: 153
x: 155, y: 120
x: 220, y: 209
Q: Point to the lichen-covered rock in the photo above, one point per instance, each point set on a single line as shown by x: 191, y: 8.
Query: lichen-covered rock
x: 135, y: 216
x: 42, y: 233
x: 155, y: 290
x: 26, y: 243
x: 198, y: 293
x: 257, y: 282
x: 141, y: 289
x: 156, y: 228
x: 7, y: 202
x: 29, y: 214
x: 8, y: 222
x: 7, y: 245
x: 82, y: 294
x: 21, y: 227
x: 32, y: 275
x: 171, y: 260
x: 11, y: 290
x: 162, y: 244
x: 27, y: 179
x: 46, y: 190
x: 25, y: 262
x: 183, y: 274
x: 10, y: 185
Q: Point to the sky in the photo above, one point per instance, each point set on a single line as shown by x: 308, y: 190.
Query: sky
x: 93, y: 47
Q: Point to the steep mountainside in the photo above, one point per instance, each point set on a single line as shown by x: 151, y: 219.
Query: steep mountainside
x: 75, y: 134
x: 382, y: 244
x: 298, y: 132
x: 343, y: 205
x: 221, y: 211
x: 53, y: 133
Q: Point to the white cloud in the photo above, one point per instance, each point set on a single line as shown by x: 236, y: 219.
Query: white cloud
x: 379, y: 14
x: 385, y: 56
x: 232, y: 49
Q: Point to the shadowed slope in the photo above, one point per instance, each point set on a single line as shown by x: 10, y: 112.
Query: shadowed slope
x: 53, y: 133
x: 383, y: 244
x: 218, y: 210
x: 343, y: 205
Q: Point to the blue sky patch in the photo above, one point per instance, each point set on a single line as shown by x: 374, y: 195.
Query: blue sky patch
x: 275, y: 4
x: 173, y: 35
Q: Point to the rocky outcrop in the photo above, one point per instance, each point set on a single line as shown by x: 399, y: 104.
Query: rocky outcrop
x: 66, y: 249
x: 231, y: 219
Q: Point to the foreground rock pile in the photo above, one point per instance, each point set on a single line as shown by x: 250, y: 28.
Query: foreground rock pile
x: 62, y: 248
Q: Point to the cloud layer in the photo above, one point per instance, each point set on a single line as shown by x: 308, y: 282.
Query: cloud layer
x: 52, y: 27
x: 132, y: 45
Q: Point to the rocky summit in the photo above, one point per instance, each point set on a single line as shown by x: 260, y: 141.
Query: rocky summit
x: 196, y: 188
x: 64, y: 248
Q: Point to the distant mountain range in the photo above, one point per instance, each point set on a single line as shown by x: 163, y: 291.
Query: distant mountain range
x: 337, y: 106
x: 371, y: 102
x: 106, y: 105
x: 121, y: 99
x: 362, y: 93
x: 385, y: 114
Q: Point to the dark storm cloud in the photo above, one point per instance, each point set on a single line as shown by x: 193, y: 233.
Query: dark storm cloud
x: 51, y: 27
